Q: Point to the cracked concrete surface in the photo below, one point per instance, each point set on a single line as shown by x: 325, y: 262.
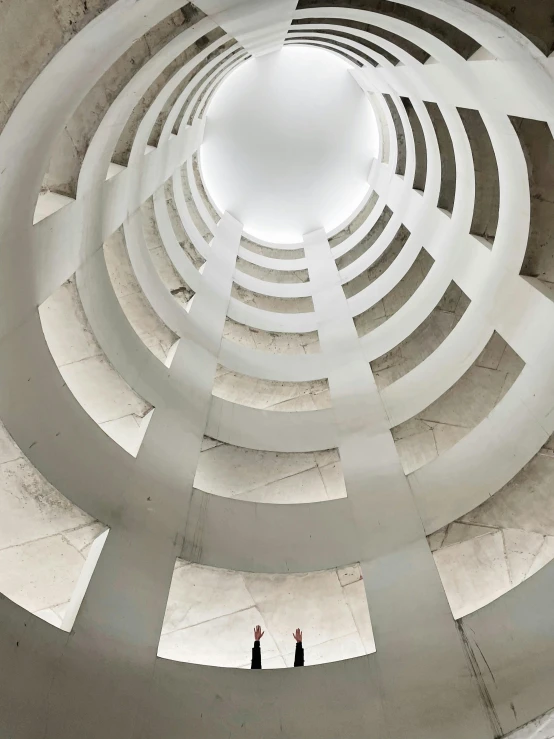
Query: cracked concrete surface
x: 271, y: 395
x: 269, y: 477
x: 276, y: 343
x: 365, y: 279
x: 468, y: 402
x: 45, y: 539
x: 501, y: 543
x: 270, y: 303
x: 397, y: 297
x: 211, y: 613
x: 70, y: 149
x: 423, y: 341
x: 100, y: 390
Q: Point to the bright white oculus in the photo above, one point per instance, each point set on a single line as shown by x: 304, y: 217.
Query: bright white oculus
x: 288, y: 144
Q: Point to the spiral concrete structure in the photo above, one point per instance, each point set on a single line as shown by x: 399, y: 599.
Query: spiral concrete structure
x: 276, y: 347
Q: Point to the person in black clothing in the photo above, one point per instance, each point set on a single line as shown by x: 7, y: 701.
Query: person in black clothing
x: 257, y: 652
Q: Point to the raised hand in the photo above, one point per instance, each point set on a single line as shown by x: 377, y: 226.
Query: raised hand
x: 258, y: 633
x: 298, y: 636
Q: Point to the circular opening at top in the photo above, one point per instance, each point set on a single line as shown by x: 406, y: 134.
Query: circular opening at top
x: 288, y: 144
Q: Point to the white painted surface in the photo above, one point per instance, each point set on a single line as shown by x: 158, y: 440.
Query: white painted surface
x: 211, y: 614
x: 52, y: 686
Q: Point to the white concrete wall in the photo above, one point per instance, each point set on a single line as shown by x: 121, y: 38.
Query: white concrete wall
x: 269, y: 477
x: 102, y: 393
x: 468, y: 402
x: 45, y: 539
x: 541, y: 728
x: 279, y: 396
x: 453, y: 343
x: 211, y: 614
x: 500, y: 544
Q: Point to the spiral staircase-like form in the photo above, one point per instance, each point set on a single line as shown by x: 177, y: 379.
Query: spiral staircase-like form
x: 199, y: 423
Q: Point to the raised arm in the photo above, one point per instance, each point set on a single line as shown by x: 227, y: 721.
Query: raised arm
x: 299, y: 654
x: 256, y: 651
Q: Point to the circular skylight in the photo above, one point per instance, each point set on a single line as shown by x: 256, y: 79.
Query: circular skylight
x: 288, y: 145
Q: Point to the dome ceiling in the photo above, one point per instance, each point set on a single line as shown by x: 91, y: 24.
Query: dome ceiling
x: 289, y: 140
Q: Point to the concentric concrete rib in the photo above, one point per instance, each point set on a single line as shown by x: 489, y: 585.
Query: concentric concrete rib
x: 195, y: 362
x: 430, y: 677
x: 259, y: 25
x: 398, y: 569
x: 149, y: 556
